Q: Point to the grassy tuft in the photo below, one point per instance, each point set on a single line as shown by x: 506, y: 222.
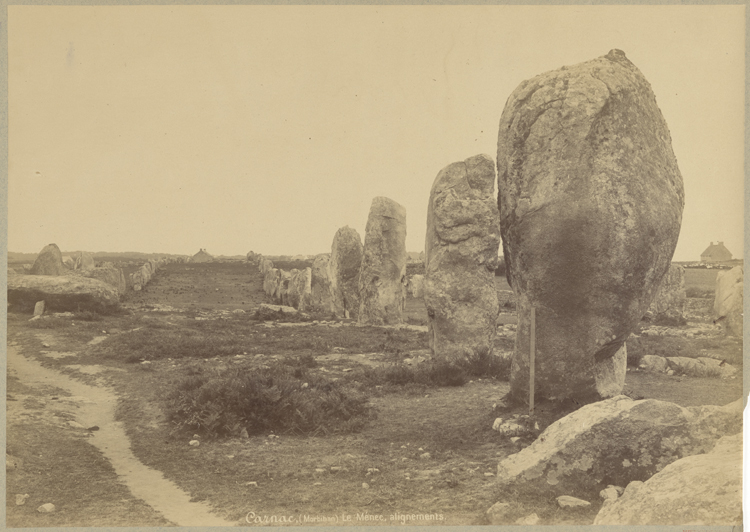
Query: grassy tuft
x: 222, y: 403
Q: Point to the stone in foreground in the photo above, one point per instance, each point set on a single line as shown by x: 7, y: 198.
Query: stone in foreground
x: 382, y: 279
x: 616, y: 441
x: 702, y: 490
x: 61, y: 293
x: 344, y: 266
x: 463, y: 236
x: 591, y: 201
x: 48, y: 262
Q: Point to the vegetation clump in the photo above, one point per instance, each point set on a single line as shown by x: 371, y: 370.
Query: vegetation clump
x: 281, y: 399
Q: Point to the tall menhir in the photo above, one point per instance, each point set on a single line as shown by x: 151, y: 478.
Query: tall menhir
x: 590, y: 201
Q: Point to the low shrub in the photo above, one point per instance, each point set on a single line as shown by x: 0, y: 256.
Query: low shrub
x: 435, y: 373
x: 277, y: 399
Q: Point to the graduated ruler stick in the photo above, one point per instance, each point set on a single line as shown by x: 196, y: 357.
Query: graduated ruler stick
x: 532, y: 357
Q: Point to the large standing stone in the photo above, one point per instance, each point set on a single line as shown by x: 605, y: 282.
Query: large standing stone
x: 704, y: 490
x: 728, y: 300
x: 298, y: 292
x: 463, y: 236
x: 382, y: 288
x: 345, y: 264
x: 271, y: 281
x: 48, y: 262
x: 321, y: 296
x: 590, y: 203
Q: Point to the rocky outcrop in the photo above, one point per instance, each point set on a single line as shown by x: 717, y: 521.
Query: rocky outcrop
x: 616, y: 441
x: 463, y: 236
x: 670, y: 300
x: 61, y: 293
x: 382, y: 276
x: 145, y: 273
x: 703, y: 490
x: 321, y: 287
x: 591, y: 201
x: 344, y: 267
x: 728, y: 300
x: 48, y: 262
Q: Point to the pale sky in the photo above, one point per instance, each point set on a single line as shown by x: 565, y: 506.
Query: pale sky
x: 266, y: 128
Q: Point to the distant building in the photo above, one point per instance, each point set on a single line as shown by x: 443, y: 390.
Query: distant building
x: 716, y: 253
x: 201, y: 256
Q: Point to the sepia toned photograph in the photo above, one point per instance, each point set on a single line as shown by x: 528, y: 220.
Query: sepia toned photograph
x: 375, y: 265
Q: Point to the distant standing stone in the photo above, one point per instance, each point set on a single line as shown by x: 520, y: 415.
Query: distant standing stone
x: 321, y: 295
x: 729, y: 300
x: 591, y: 202
x: 382, y: 287
x: 48, y: 262
x: 84, y: 261
x: 39, y: 308
x: 345, y: 264
x: 463, y: 236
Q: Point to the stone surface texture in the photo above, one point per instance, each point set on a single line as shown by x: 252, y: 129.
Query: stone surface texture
x: 729, y: 300
x: 700, y: 490
x: 616, y: 441
x: 48, y: 262
x: 382, y: 278
x: 111, y: 275
x: 461, y: 245
x: 84, y: 261
x: 345, y: 264
x: 321, y: 287
x: 61, y: 293
x: 590, y: 200
x: 671, y: 297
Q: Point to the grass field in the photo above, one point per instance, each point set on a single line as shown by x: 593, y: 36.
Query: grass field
x: 419, y: 447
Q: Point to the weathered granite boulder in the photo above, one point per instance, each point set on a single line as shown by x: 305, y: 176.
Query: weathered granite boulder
x: 265, y: 265
x: 345, y: 264
x: 700, y: 367
x: 48, y: 262
x: 61, y: 293
x: 271, y: 281
x: 415, y: 286
x: 110, y: 275
x: 463, y: 236
x: 68, y: 262
x: 321, y: 287
x: 616, y: 441
x: 653, y: 364
x: 728, y: 300
x: 382, y: 279
x: 591, y: 202
x: 298, y: 293
x: 84, y: 261
x: 704, y: 490
x: 670, y: 299
x: 280, y: 295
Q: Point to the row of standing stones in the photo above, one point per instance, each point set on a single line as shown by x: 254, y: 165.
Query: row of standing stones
x: 589, y: 209
x: 67, y: 284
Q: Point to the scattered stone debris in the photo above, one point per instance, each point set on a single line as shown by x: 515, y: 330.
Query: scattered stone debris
x: 46, y: 508
x: 194, y: 443
x: 531, y: 519
x: 21, y: 499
